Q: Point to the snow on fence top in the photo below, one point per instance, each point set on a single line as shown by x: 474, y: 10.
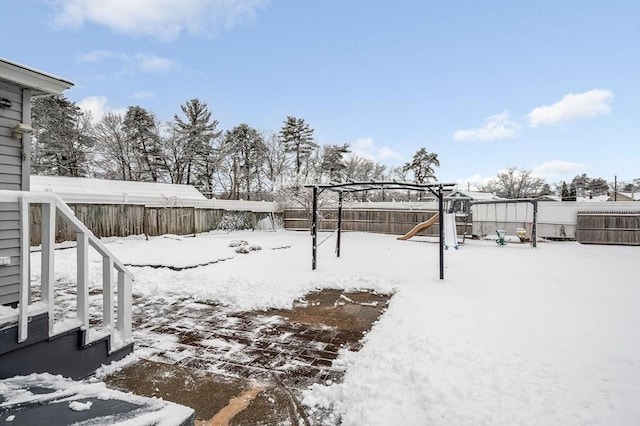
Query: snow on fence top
x: 76, y: 190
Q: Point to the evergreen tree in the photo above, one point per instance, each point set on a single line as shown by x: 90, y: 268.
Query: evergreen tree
x: 192, y: 148
x: 598, y: 186
x: 246, y: 147
x: 142, y: 133
x: 565, y: 192
x: 297, y: 137
x: 573, y: 192
x: 332, y: 161
x: 422, y: 165
x: 581, y: 184
x: 62, y: 140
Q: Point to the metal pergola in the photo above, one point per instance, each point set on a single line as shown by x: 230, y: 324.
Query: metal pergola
x: 437, y: 189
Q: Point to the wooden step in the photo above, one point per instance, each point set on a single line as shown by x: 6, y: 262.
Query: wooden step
x: 63, y: 354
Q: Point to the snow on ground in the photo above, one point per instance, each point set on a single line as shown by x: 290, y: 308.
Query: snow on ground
x: 513, y: 335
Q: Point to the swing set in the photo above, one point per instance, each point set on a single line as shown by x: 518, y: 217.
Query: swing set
x: 521, y: 232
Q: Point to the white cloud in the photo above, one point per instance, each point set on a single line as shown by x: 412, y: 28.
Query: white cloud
x: 163, y: 20
x: 572, y: 107
x: 142, y: 61
x: 386, y: 153
x: 98, y: 106
x: 557, y: 169
x: 367, y: 148
x: 99, y: 55
x: 153, y: 63
x: 497, y: 126
x: 143, y: 95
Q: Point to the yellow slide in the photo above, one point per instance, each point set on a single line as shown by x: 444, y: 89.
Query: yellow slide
x: 420, y: 227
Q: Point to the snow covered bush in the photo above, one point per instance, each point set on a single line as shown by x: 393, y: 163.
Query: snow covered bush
x: 235, y: 221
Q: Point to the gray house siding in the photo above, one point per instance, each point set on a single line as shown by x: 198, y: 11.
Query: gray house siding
x: 18, y: 84
x: 11, y: 177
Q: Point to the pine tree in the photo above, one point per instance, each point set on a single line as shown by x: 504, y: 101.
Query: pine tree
x: 193, y: 155
x: 332, y: 161
x: 297, y: 137
x: 422, y: 165
x: 142, y: 132
x: 62, y: 139
x: 247, y: 150
x: 565, y: 192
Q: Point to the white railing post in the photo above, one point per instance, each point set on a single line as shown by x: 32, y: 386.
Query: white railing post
x: 47, y: 240
x: 107, y: 297
x: 25, y: 276
x: 124, y: 306
x: 83, y: 280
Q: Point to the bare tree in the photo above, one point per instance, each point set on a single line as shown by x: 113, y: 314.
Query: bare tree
x: 276, y: 163
x: 115, y: 156
x: 514, y: 183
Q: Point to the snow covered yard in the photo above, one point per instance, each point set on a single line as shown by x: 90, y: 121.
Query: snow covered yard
x: 513, y: 335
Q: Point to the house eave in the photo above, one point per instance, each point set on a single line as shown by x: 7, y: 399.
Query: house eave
x: 41, y: 83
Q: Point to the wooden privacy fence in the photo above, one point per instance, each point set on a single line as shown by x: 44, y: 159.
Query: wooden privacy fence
x: 608, y: 228
x: 397, y: 222
x: 122, y: 220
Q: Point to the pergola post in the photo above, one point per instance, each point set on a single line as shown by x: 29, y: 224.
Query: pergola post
x: 534, y: 225
x: 441, y: 229
x: 314, y: 228
x: 339, y: 235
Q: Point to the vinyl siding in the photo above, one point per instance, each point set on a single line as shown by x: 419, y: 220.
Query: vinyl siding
x: 11, y: 176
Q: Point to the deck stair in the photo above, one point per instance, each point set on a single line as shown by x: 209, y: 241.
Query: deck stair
x: 31, y: 340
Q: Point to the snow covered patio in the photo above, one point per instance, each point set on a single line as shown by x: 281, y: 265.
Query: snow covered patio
x: 513, y: 335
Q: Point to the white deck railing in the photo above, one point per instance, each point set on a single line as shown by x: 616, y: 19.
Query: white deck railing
x: 119, y: 325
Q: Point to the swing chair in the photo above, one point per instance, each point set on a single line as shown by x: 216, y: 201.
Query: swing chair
x: 521, y: 233
x: 501, y: 233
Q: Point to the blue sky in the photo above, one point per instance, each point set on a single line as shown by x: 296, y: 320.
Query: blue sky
x: 552, y: 87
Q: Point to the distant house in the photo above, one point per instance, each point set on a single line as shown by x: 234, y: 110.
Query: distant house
x: 549, y: 197
x: 624, y: 196
x: 459, y: 200
x: 593, y: 199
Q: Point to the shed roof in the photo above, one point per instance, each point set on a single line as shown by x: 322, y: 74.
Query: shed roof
x: 90, y: 190
x: 473, y: 195
x: 42, y: 84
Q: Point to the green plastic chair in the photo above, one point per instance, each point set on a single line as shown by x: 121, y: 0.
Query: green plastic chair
x: 501, y: 234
